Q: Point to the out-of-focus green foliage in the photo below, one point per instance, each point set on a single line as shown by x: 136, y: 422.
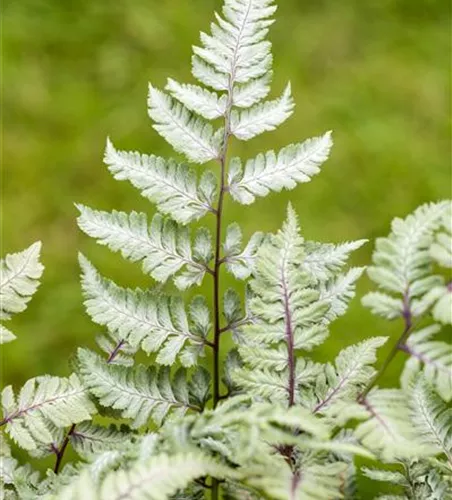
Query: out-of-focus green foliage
x: 375, y: 72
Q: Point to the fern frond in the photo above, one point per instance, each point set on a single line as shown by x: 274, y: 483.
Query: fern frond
x: 161, y: 477
x: 263, y: 117
x: 339, y: 292
x: 389, y: 431
x: 172, y: 186
x: 163, y: 247
x: 158, y: 323
x: 43, y: 404
x: 206, y: 74
x: 442, y: 310
x: 240, y: 430
x: 240, y: 262
x: 431, y: 357
x: 19, y: 280
x: 89, y: 439
x: 16, y: 481
x: 352, y: 372
x: 349, y: 487
x: 248, y: 94
x: 139, y: 392
x: 260, y: 358
x: 116, y: 348
x: 287, y: 311
x: 385, y: 476
x: 187, y: 133
x: 438, y: 300
x: 383, y: 304
x: 432, y: 419
x: 262, y: 383
x: 6, y: 335
x: 402, y: 263
x: 274, y: 172
x: 314, y: 482
x: 419, y: 480
x: 290, y: 310
x: 231, y: 364
x: 236, y: 51
x: 324, y: 260
x: 197, y: 99
x: 441, y: 248
x: 234, y: 313
x: 82, y: 486
x: 8, y: 465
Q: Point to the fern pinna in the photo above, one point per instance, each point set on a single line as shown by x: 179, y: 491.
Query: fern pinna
x: 272, y: 422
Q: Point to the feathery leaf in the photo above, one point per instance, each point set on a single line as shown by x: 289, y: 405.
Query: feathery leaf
x: 139, y: 392
x: 187, y: 133
x: 262, y: 117
x: 90, y: 439
x: 432, y: 419
x: 236, y: 51
x: 172, y: 186
x: 19, y: 280
x: 197, y: 99
x: 339, y: 291
x: 352, y: 372
x: 286, y: 312
x: 441, y: 248
x: 160, y: 477
x: 274, y: 172
x: 240, y: 263
x: 402, y: 263
x: 388, y: 430
x: 43, y: 405
x: 431, y: 357
x: 157, y: 322
x: 163, y: 247
x: 324, y: 260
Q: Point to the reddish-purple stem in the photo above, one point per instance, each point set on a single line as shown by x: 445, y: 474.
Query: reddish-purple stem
x: 218, y: 259
x: 290, y: 343
x: 115, y: 351
x: 60, y: 452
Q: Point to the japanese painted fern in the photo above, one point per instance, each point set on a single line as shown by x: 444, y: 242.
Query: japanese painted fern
x: 271, y: 422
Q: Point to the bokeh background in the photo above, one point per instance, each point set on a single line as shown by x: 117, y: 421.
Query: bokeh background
x: 377, y: 72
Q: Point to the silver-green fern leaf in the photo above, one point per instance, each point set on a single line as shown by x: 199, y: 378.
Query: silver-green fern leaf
x: 417, y: 479
x: 432, y: 358
x: 156, y: 322
x: 290, y: 309
x: 163, y: 247
x: 403, y: 264
x: 139, y: 392
x: 43, y: 406
x: 266, y: 421
x: 350, y: 373
x: 432, y: 419
x: 19, y: 279
x: 276, y: 171
x: 171, y: 185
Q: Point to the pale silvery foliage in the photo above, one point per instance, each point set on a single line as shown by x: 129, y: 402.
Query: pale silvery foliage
x: 19, y: 280
x: 271, y: 422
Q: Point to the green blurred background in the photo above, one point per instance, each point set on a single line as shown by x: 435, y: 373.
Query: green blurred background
x: 375, y: 71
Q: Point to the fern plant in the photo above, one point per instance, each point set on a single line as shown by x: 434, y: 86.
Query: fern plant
x: 271, y: 421
x: 19, y: 280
